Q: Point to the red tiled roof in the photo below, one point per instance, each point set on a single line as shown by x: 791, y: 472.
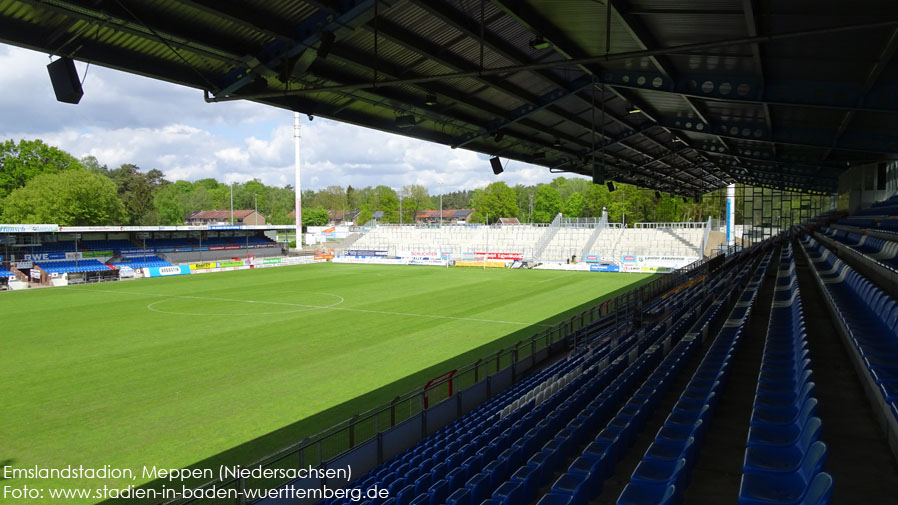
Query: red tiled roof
x: 447, y: 213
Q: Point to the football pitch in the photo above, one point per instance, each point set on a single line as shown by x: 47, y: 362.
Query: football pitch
x: 229, y: 367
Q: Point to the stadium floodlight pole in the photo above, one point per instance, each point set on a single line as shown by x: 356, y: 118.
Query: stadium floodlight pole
x: 297, y: 186
x: 487, y: 252
x: 232, y: 203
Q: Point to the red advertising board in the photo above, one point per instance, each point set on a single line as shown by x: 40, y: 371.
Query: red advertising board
x: 499, y: 256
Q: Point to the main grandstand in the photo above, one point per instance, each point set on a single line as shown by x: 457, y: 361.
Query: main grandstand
x: 760, y: 369
x: 562, y: 241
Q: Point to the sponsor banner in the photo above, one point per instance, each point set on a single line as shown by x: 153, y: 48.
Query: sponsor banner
x: 214, y: 270
x: 230, y: 264
x: 217, y: 248
x: 22, y: 264
x: 481, y: 264
x: 137, y: 253
x: 224, y: 227
x: 49, y: 256
x: 167, y: 271
x: 604, y: 268
x: 370, y: 260
x: 165, y: 250
x: 467, y: 256
x: 35, y: 273
x: 231, y: 247
x: 96, y: 254
x: 656, y: 270
x: 126, y: 272
x: 183, y: 249
x: 271, y: 261
x: 631, y: 268
x: 28, y: 228
x: 427, y: 262
x: 204, y: 248
x: 629, y: 259
x: 592, y: 258
x: 324, y: 257
x: 365, y: 252
x: 203, y: 266
x: 499, y: 256
x: 671, y: 262
x: 571, y: 267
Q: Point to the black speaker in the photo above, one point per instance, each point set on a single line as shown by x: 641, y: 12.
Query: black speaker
x: 611, y: 187
x: 65, y: 81
x: 496, y: 163
x: 598, y: 174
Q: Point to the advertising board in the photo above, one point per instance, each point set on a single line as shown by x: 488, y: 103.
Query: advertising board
x: 604, y: 268
x: 167, y: 271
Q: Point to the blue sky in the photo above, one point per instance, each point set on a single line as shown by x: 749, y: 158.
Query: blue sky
x: 125, y: 118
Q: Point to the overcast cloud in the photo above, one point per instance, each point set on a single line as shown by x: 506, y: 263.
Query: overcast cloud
x: 125, y: 118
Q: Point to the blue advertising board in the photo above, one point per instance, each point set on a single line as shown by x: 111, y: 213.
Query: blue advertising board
x: 168, y: 271
x: 604, y: 268
x: 45, y: 256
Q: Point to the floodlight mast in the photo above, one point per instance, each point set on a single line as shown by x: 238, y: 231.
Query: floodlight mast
x: 297, y: 186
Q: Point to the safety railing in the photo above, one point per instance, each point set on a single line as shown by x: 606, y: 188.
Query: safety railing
x: 618, y: 312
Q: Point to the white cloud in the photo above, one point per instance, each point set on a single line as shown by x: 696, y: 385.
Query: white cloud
x: 125, y: 118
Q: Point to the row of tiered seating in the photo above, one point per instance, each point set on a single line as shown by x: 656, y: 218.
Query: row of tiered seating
x: 784, y: 458
x: 507, y: 453
x: 116, y: 246
x: 868, y: 321
x: 72, y: 266
x: 880, y: 210
x: 884, y: 252
x: 881, y: 216
x: 142, y: 262
x: 4, y: 272
x: 666, y: 467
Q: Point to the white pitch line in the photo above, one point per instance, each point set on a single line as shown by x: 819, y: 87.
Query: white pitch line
x: 320, y: 307
x: 559, y: 277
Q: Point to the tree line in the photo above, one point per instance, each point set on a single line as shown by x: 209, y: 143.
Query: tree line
x: 43, y: 184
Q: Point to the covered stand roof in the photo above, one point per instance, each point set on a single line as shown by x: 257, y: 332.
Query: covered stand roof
x: 682, y: 96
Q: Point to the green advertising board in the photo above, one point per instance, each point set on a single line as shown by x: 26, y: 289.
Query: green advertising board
x: 96, y: 254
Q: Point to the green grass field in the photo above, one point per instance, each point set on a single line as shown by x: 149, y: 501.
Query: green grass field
x: 230, y: 367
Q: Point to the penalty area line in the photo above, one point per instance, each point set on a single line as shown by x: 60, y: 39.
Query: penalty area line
x: 318, y: 307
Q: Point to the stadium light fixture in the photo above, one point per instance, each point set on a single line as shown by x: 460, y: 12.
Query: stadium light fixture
x: 539, y: 43
x: 634, y: 110
x: 496, y: 163
x: 406, y: 121
x: 611, y: 187
x: 327, y: 43
x: 430, y: 99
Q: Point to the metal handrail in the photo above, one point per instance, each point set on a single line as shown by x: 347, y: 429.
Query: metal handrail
x: 568, y: 327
